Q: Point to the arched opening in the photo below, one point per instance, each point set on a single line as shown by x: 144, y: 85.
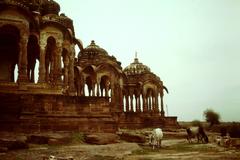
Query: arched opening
x: 33, y: 53
x: 64, y: 64
x: 105, y: 86
x: 89, y: 84
x: 36, y: 71
x: 150, y: 99
x: 89, y: 81
x: 49, y: 59
x: 9, y: 52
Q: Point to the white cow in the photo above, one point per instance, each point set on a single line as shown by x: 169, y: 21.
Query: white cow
x: 155, y: 138
x: 51, y: 157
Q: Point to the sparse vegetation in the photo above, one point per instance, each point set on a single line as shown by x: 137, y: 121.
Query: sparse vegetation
x: 196, y: 123
x: 78, y: 137
x: 211, y: 117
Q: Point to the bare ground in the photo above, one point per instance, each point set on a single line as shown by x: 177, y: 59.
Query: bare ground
x: 172, y: 149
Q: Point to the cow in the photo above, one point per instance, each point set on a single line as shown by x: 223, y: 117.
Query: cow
x: 198, y: 132
x: 155, y: 138
x: 51, y: 157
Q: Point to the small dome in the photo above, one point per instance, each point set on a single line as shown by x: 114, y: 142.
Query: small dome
x: 50, y: 7
x: 136, y: 68
x: 18, y: 3
x: 93, y: 50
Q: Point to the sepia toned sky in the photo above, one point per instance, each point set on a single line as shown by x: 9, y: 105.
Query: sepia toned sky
x: 192, y: 45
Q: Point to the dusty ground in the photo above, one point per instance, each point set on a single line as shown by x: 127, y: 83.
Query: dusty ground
x: 172, y: 148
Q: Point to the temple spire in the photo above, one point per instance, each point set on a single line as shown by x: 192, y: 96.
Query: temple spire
x: 136, y: 59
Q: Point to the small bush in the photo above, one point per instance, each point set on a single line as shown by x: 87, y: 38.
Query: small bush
x: 78, y: 137
x: 234, y: 130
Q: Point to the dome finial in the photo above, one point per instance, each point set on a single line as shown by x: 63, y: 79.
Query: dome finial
x: 92, y: 42
x: 136, y: 59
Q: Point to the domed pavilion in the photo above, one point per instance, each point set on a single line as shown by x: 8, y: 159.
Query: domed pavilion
x: 45, y: 86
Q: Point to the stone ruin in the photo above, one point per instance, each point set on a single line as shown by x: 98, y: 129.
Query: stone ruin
x: 43, y: 87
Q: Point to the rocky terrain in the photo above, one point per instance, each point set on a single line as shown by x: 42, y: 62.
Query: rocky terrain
x: 125, y: 145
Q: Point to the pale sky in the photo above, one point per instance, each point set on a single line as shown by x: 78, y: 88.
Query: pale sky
x: 192, y: 45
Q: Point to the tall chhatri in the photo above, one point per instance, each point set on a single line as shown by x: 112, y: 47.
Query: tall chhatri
x: 43, y: 87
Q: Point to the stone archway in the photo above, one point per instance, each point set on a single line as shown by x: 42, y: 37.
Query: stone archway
x: 105, y: 86
x: 9, y: 52
x: 33, y: 53
x: 49, y: 59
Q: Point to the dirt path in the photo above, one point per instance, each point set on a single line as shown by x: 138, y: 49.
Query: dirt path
x: 171, y: 149
x: 181, y: 149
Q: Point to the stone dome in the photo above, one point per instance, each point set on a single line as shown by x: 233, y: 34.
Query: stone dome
x: 50, y: 7
x: 136, y: 68
x: 21, y: 4
x: 93, y: 50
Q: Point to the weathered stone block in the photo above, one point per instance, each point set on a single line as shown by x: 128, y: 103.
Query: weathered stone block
x: 101, y: 138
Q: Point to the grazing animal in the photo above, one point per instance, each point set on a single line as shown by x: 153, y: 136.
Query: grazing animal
x: 51, y: 157
x: 155, y: 138
x: 198, y: 132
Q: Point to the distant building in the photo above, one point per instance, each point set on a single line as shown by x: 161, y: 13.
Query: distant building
x: 90, y: 93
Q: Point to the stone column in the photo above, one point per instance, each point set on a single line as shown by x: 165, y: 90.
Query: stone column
x: 93, y: 89
x: 22, y: 63
x: 153, y: 104
x: 144, y: 103
x: 136, y: 102
x: 156, y: 103
x: 127, y: 102
x: 106, y: 91
x: 162, y: 109
x: 131, y: 102
x: 113, y: 90
x: 42, y: 69
x: 58, y: 64
x: 120, y: 97
x: 98, y: 86
x: 71, y: 70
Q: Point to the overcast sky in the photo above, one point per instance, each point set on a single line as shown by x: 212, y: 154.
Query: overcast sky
x: 192, y: 45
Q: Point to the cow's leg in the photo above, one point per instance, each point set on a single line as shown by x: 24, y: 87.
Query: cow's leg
x: 160, y: 143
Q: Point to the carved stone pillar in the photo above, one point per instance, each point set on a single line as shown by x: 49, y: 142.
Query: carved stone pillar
x: 98, y: 93
x: 144, y: 103
x: 127, y: 102
x: 139, y: 103
x: 71, y: 70
x: 131, y: 102
x: 113, y: 91
x: 136, y: 103
x: 119, y: 91
x: 156, y: 103
x: 58, y: 64
x: 93, y: 89
x: 42, y: 69
x: 106, y: 91
x: 22, y: 64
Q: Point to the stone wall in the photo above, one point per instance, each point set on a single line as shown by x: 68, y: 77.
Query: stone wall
x: 31, y: 113
x: 136, y: 120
